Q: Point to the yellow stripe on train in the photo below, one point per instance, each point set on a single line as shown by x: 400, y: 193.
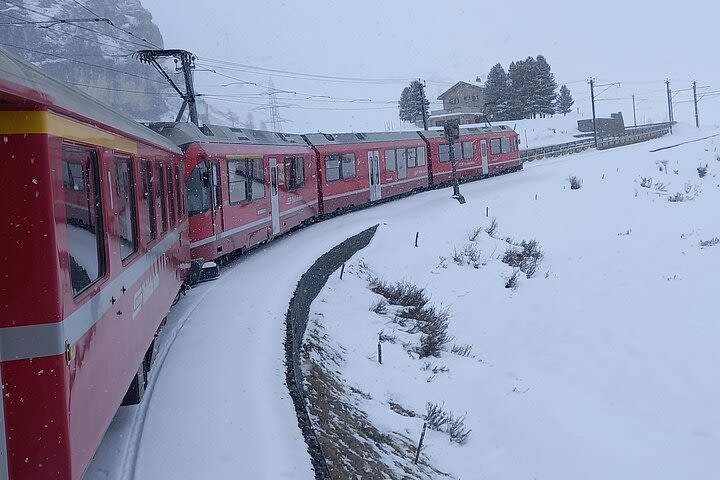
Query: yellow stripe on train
x: 49, y: 123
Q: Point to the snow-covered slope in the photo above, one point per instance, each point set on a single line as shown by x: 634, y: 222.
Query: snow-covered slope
x: 602, y: 365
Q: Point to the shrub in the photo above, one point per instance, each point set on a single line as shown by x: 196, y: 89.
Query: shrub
x: 458, y: 257
x: 435, y: 335
x: 702, y: 170
x: 472, y: 253
x: 379, y: 306
x: 401, y: 293
x: 473, y: 234
x: 575, y: 182
x: 456, y: 428
x: 512, y: 280
x: 660, y: 187
x: 678, y: 197
x: 435, y: 416
x: 492, y: 228
x: 462, y: 350
x: 443, y: 262
x: 710, y: 243
x: 526, y: 259
x: 646, y: 182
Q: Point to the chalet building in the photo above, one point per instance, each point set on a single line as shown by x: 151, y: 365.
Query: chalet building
x: 463, y: 102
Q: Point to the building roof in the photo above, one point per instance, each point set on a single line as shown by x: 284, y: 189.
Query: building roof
x: 182, y: 134
x: 450, y: 90
x: 23, y: 80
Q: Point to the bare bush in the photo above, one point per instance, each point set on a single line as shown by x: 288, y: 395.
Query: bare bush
x: 473, y: 234
x: 456, y: 429
x: 702, y: 170
x: 512, y: 280
x: 646, y: 182
x: 379, y: 306
x: 678, y: 197
x: 710, y: 243
x: 386, y: 338
x: 527, y: 258
x: 472, y: 253
x: 458, y: 257
x: 462, y: 350
x: 429, y: 367
x: 492, y: 228
x: 575, y: 182
x: 660, y: 187
x: 435, y: 416
x: 435, y: 337
x: 443, y: 262
x: 401, y: 293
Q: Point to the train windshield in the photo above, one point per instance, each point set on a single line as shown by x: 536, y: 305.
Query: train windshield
x: 198, y: 189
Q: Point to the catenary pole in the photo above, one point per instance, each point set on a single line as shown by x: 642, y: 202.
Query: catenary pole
x: 592, y: 99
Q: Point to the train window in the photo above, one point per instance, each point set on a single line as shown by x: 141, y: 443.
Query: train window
x: 468, y: 152
x: 295, y: 173
x: 348, y: 165
x: 178, y: 193
x: 149, y: 225
x: 160, y: 197
x: 495, y: 146
x: 246, y: 179
x: 411, y: 157
x: 505, y: 145
x: 81, y: 187
x: 332, y: 167
x: 421, y: 156
x: 171, y: 194
x: 198, y: 189
x: 444, y: 150
x: 340, y: 166
x: 125, y: 190
x: 390, y: 164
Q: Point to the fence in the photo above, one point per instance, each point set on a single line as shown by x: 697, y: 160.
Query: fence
x: 641, y: 133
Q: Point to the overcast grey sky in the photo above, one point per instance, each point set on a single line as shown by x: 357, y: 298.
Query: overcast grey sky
x: 636, y: 43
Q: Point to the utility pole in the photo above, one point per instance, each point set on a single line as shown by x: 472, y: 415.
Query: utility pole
x: 186, y: 61
x: 634, y: 115
x: 697, y: 120
x: 592, y: 99
x: 275, y: 119
x: 422, y: 103
x: 452, y: 133
x: 669, y: 99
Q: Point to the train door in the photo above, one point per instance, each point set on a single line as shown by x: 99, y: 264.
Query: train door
x: 275, y: 207
x: 374, y: 169
x: 401, y: 163
x: 217, y: 217
x: 484, y: 155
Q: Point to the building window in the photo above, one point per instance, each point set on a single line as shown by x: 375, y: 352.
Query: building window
x: 246, y: 179
x: 495, y: 146
x: 125, y: 190
x: 340, y: 166
x: 390, y: 163
x: 149, y: 223
x: 294, y: 173
x: 160, y: 197
x: 81, y: 189
x: 198, y: 189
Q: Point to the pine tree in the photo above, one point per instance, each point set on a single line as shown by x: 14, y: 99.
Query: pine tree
x: 411, y: 104
x: 497, y: 93
x: 544, y: 87
x: 519, y: 90
x: 564, y: 100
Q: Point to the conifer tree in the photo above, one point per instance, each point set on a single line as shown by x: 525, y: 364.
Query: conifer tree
x: 564, y: 100
x: 496, y: 93
x: 411, y: 104
x: 544, y: 87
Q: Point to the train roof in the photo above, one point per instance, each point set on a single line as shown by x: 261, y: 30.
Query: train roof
x: 183, y: 134
x: 23, y: 80
x: 322, y: 139
x: 468, y: 131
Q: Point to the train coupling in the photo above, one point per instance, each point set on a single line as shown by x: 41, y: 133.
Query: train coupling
x: 202, y: 271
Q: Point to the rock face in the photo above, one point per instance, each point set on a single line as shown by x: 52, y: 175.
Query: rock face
x: 92, y: 55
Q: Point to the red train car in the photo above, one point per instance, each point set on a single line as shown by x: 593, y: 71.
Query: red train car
x: 479, y: 152
x: 359, y: 168
x: 94, y: 249
x: 244, y: 186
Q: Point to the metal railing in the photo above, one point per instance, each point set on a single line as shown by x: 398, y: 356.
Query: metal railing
x: 641, y: 133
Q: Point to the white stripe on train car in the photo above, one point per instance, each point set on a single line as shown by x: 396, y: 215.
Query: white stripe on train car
x: 298, y: 208
x: 400, y: 182
x: 4, y: 474
x: 230, y: 232
x: 346, y: 194
x: 49, y: 338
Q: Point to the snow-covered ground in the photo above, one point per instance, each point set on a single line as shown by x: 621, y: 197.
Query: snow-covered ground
x: 602, y: 365
x: 604, y: 369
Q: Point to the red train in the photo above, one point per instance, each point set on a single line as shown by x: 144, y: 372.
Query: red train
x: 102, y: 218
